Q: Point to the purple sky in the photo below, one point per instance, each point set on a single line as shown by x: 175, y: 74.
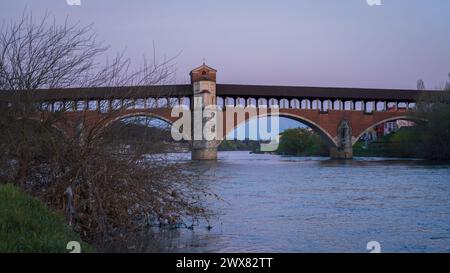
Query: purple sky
x: 309, y: 42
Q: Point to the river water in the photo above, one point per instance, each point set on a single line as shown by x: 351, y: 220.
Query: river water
x: 271, y: 203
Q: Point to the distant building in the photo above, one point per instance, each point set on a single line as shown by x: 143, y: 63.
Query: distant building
x: 385, y: 129
x: 405, y: 123
x: 393, y: 126
x: 389, y: 127
x: 369, y: 135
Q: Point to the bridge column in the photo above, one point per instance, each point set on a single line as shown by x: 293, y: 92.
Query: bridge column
x: 203, y: 81
x: 204, y: 150
x: 344, y: 148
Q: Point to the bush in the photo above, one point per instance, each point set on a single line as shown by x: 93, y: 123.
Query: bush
x: 301, y: 141
x: 27, y: 225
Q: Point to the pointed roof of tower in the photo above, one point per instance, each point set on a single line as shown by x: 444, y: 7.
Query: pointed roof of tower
x: 203, y: 73
x: 202, y: 67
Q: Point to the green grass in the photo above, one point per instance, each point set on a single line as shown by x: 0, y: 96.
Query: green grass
x: 28, y: 225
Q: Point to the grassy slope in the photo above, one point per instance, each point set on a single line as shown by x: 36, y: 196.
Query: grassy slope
x: 28, y: 225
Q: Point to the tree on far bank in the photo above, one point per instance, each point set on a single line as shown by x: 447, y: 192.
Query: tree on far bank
x: 301, y: 141
x: 434, y: 109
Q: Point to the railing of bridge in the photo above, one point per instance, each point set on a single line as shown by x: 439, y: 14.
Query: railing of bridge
x: 316, y: 104
x: 107, y: 105
x: 322, y: 105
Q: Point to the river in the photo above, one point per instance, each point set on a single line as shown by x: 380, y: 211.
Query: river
x: 271, y: 203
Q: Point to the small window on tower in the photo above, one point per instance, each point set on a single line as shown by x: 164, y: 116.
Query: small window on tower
x: 203, y: 72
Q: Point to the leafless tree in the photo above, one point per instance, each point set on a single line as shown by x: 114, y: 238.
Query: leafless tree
x: 105, y: 190
x: 420, y: 85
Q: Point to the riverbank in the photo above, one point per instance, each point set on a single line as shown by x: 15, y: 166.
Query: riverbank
x: 403, y: 143
x: 28, y: 225
x: 239, y: 145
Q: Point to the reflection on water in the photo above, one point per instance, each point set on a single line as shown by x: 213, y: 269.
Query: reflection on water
x: 297, y: 204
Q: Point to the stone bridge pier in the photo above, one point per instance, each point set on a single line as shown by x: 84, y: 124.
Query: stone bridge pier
x: 204, y: 150
x: 344, y: 147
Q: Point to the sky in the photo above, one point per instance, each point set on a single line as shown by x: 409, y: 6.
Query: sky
x: 343, y: 43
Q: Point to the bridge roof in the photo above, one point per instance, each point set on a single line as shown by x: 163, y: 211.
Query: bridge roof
x: 98, y: 93
x: 255, y: 91
x: 315, y: 92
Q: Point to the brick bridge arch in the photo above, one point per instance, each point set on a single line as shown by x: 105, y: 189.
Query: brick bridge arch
x: 324, y: 134
x: 326, y: 123
x: 393, y: 118
x: 97, y: 122
x: 160, y: 115
x: 56, y: 126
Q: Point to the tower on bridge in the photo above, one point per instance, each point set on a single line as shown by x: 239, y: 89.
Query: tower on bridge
x: 203, y: 82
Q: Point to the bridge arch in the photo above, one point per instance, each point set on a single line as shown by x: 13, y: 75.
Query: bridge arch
x: 114, y: 119
x: 137, y: 114
x: 324, y: 134
x: 57, y: 127
x: 401, y: 117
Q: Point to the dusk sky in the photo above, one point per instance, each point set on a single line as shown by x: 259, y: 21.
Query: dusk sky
x: 312, y: 42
